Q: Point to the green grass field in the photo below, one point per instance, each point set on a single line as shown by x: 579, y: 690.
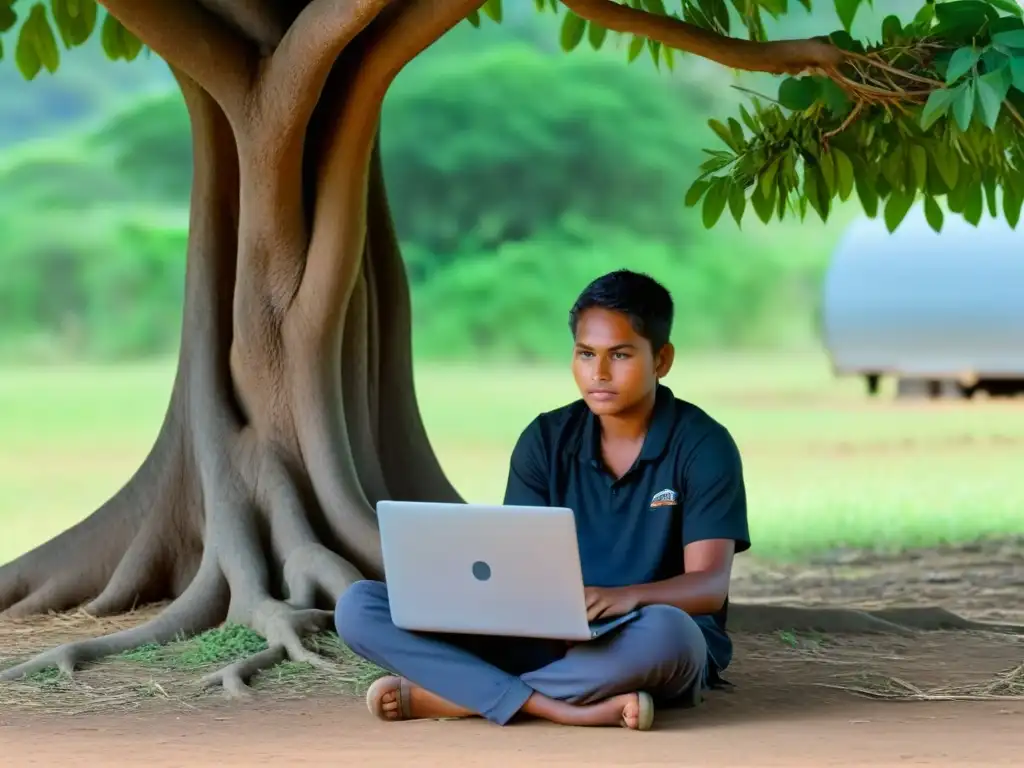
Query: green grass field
x: 825, y: 466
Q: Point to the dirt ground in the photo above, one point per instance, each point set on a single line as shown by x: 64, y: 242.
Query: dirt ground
x: 937, y: 698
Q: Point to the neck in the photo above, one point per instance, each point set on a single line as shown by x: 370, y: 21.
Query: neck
x: 630, y: 425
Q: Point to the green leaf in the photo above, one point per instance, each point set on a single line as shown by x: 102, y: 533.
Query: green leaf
x: 1012, y: 206
x: 1009, y: 6
x: 867, y: 195
x: 798, y: 94
x: 473, y: 17
x: 8, y: 18
x: 696, y: 192
x: 835, y: 98
x: 493, y: 9
x: 25, y: 55
x: 714, y: 202
x: 572, y: 31
x: 110, y: 36
x: 992, y: 89
x: 636, y: 45
x: 826, y: 164
x: 1013, y: 38
x: 737, y: 132
x: 763, y: 204
x: 947, y: 164
x: 847, y: 10
x: 725, y: 135
x: 963, y: 105
x: 933, y: 214
x: 815, y: 192
x: 973, y: 203
x: 963, y: 61
x: 939, y: 102
x: 897, y: 207
x: 131, y: 46
x: 844, y: 173
x: 891, y: 28
x: 716, y: 10
x: 596, y: 34
x: 963, y: 17
x: 1017, y: 73
x: 737, y: 203
x: 919, y: 164
x: 767, y: 180
x: 655, y: 48
x: 46, y: 43
x: 75, y: 20
x: 892, y: 166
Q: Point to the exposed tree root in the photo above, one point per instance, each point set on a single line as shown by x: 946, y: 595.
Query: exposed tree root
x: 757, y: 619
x: 284, y: 629
x: 201, y: 606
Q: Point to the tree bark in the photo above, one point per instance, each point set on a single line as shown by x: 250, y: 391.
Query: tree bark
x: 293, y: 410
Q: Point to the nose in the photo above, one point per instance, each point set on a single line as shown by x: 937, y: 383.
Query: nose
x: 602, y: 370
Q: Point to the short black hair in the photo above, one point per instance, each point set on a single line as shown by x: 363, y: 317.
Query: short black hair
x: 645, y: 301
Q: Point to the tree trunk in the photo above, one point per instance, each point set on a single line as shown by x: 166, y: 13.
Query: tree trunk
x: 292, y: 414
x: 293, y: 410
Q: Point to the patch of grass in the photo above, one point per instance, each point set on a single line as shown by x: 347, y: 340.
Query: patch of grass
x: 806, y: 641
x: 222, y: 645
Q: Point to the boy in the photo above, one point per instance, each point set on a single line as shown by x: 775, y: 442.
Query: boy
x: 657, y: 489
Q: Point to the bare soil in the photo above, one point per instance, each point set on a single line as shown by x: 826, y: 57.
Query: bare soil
x: 939, y: 698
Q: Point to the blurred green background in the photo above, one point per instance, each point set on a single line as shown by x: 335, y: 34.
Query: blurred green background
x: 516, y: 175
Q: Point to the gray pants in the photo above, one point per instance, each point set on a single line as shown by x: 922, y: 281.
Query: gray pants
x: 662, y: 652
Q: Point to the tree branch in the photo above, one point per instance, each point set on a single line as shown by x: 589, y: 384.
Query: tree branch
x: 339, y: 221
x: 191, y: 38
x: 297, y: 71
x: 778, y: 57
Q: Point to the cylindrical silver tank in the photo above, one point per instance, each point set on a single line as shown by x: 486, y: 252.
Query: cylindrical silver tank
x: 927, y: 306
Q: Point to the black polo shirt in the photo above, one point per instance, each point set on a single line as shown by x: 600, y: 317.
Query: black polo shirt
x: 686, y: 485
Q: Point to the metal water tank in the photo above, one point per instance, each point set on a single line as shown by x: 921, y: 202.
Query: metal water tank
x: 941, y: 312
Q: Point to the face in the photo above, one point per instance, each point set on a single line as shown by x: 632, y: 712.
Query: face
x: 614, y: 366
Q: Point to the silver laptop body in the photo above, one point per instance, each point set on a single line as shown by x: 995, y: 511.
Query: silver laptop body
x: 485, y: 569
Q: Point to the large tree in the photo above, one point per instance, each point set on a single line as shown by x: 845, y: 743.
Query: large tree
x: 293, y: 409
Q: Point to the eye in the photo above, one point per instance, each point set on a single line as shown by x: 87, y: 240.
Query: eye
x: 584, y: 353
x: 621, y: 355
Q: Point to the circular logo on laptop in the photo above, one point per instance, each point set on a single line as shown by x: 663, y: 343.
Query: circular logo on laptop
x: 481, y: 570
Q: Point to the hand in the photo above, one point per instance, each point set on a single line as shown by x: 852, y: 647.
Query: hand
x: 608, y: 602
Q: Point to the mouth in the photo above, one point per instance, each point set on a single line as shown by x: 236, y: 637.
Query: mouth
x: 602, y: 394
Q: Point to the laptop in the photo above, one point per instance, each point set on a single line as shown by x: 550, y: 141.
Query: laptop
x: 509, y: 571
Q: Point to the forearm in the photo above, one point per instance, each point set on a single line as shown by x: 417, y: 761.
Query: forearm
x: 701, y: 592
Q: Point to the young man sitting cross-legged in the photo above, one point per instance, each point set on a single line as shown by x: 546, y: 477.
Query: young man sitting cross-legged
x: 656, y: 487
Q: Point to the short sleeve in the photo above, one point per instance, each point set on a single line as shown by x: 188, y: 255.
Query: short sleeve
x: 715, y: 500
x: 528, y: 470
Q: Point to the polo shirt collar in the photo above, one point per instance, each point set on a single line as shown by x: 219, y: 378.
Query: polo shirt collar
x: 655, y: 441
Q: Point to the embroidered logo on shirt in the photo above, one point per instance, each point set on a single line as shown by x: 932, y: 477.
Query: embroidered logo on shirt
x: 665, y: 498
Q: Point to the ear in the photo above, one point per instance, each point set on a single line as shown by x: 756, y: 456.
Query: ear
x: 663, y: 360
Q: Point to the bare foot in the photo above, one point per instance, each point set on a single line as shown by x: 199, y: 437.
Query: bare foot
x: 637, y: 715
x: 629, y: 710
x: 394, y: 698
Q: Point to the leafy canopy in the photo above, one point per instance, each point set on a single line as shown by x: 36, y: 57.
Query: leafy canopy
x: 930, y: 110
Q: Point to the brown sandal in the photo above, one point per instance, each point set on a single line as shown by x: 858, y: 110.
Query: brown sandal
x: 388, y: 684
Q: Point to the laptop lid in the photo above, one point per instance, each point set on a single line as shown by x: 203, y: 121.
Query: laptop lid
x: 483, y: 569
